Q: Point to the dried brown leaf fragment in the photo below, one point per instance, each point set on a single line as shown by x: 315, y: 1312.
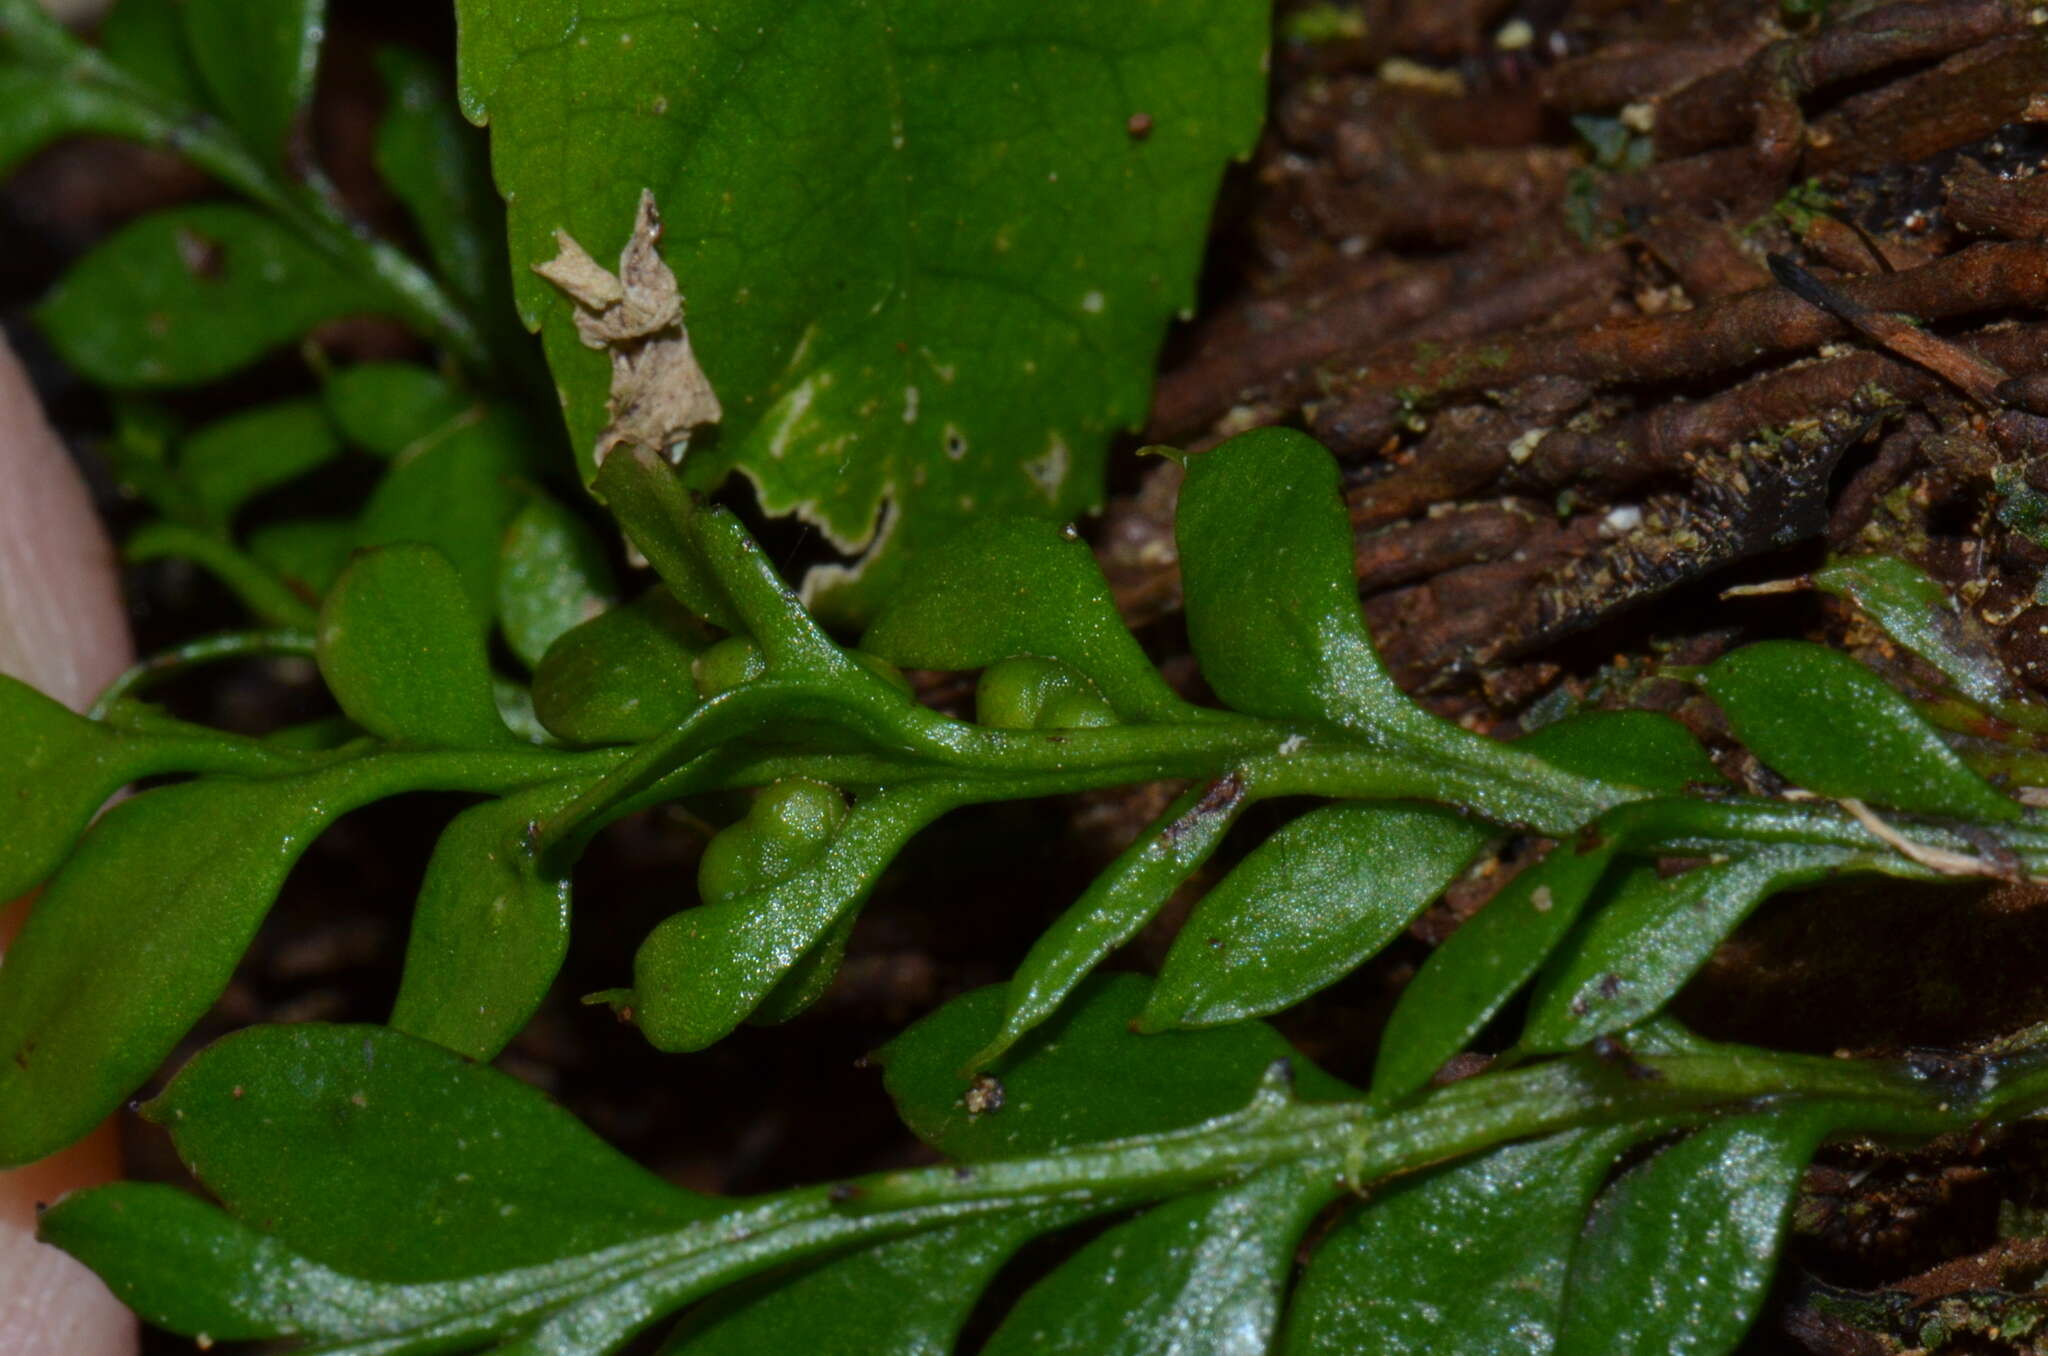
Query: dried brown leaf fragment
x: 659, y: 393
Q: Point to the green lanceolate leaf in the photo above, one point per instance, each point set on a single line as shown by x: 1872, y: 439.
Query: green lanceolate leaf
x: 1272, y: 605
x: 1121, y: 900
x: 1835, y: 728
x: 871, y: 379
x: 490, y: 927
x: 1916, y: 612
x: 401, y: 651
x: 227, y: 463
x: 391, y: 1158
x: 1083, y: 1075
x: 182, y: 1264
x: 1680, y: 1251
x: 702, y: 971
x: 257, y: 58
x: 1653, y: 934
x: 438, y: 166
x: 906, y: 1298
x: 457, y: 495
x: 386, y: 408
x: 136, y: 936
x: 623, y: 676
x: 1631, y: 748
x: 1012, y: 587
x: 1473, y: 974
x: 1467, y: 1259
x: 190, y: 294
x: 1213, y: 1269
x: 552, y: 576
x: 1308, y: 906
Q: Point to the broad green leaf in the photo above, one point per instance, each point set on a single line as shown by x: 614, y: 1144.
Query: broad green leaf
x: 1467, y: 1259
x: 1017, y: 586
x: 1482, y: 965
x: 137, y: 935
x: 439, y: 167
x: 1084, y: 1075
x: 146, y: 39
x: 1653, y: 935
x: 623, y: 676
x: 257, y: 59
x: 552, y: 576
x: 1835, y: 728
x: 702, y: 971
x: 391, y: 1158
x: 961, y: 349
x: 1199, y: 1276
x: 1632, y: 748
x: 386, y: 408
x: 1272, y: 605
x: 489, y: 929
x: 184, y: 1265
x: 1122, y: 899
x: 1306, y: 907
x: 229, y: 462
x: 458, y: 496
x: 307, y: 554
x: 906, y: 1298
x: 1681, y: 1250
x: 183, y: 296
x: 1916, y: 612
x: 402, y: 653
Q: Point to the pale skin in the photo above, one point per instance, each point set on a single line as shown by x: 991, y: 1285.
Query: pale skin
x: 63, y: 630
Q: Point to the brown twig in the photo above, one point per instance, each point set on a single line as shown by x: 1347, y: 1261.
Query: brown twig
x: 1367, y: 404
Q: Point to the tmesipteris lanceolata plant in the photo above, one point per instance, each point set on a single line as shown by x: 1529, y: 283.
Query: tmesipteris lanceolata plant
x: 1610, y: 1182
x: 385, y: 1193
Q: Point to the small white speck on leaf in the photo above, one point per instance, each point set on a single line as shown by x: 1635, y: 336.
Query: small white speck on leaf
x: 659, y: 393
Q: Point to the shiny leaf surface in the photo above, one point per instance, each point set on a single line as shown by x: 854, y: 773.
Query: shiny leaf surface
x: 1083, y: 1075
x: 1680, y: 1251
x: 1214, y: 1267
x: 1306, y: 907
x: 1474, y: 973
x: 1835, y: 728
x: 391, y: 1158
x: 1466, y: 1259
